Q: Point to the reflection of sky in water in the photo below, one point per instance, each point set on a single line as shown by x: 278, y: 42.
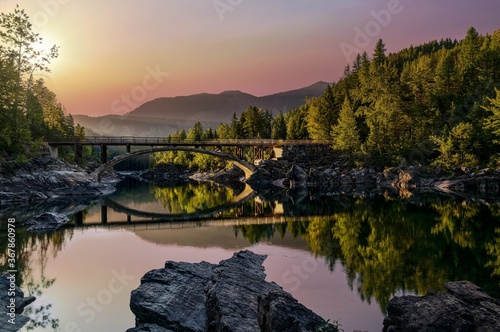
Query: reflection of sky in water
x: 86, y: 267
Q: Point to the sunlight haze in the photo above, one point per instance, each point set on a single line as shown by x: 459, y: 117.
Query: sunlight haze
x: 259, y: 47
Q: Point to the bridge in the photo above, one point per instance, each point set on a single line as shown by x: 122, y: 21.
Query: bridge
x: 261, y: 148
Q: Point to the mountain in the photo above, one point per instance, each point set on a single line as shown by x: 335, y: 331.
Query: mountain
x: 162, y: 116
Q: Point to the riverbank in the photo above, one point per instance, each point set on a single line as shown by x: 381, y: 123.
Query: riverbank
x: 400, y: 182
x: 45, y: 178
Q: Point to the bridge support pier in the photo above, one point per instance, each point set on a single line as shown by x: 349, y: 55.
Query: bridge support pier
x: 104, y: 214
x: 104, y: 153
x: 79, y: 218
x: 54, y: 151
x: 128, y: 148
x: 239, y: 152
x: 78, y: 153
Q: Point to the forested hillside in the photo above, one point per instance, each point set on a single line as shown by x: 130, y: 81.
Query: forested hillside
x: 29, y: 111
x: 435, y: 104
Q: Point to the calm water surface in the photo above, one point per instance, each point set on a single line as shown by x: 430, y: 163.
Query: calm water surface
x: 343, y: 257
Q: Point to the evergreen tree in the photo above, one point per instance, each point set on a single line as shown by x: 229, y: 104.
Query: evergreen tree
x: 279, y: 127
x: 345, y: 134
x: 492, y: 123
x: 379, y: 53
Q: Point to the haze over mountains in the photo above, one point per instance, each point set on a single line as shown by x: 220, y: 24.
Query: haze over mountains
x: 162, y: 116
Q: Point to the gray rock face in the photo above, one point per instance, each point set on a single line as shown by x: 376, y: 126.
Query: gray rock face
x: 298, y: 177
x: 464, y: 307
x: 8, y: 315
x: 45, y: 177
x: 46, y: 222
x: 231, y: 296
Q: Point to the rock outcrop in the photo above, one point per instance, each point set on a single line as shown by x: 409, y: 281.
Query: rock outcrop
x: 46, y: 223
x: 45, y: 178
x: 12, y: 304
x: 463, y: 307
x: 230, y: 296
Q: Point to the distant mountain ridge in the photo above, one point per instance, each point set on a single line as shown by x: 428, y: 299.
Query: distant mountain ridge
x: 162, y: 116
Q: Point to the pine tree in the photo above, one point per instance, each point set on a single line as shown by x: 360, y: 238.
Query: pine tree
x: 492, y: 123
x: 279, y: 127
x: 345, y: 133
x: 379, y: 53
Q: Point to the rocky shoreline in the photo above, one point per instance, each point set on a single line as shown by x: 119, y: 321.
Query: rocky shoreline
x: 46, y: 178
x: 398, y: 181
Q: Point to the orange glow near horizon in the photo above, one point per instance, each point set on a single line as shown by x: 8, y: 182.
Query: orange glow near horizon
x: 257, y: 47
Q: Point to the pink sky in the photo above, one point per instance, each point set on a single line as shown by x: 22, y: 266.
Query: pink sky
x: 116, y: 55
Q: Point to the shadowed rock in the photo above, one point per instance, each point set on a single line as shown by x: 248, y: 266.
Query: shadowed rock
x: 464, y: 307
x: 231, y: 296
x: 46, y: 222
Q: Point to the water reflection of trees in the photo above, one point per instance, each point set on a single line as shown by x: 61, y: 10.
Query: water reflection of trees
x: 392, y: 246
x: 33, y: 252
x: 192, y: 197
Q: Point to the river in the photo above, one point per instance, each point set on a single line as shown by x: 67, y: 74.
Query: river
x: 344, y: 257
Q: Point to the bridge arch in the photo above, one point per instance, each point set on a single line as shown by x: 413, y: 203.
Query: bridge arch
x: 241, y: 198
x: 245, y: 166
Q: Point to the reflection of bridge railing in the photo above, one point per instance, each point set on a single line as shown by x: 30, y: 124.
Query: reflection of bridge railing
x: 169, y: 224
x: 124, y: 140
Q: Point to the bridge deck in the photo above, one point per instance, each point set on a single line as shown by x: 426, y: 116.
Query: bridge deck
x: 165, y: 141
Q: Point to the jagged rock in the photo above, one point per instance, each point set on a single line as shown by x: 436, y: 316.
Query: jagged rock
x: 260, y: 178
x: 45, y: 178
x: 46, y: 222
x: 230, y: 296
x: 9, y: 315
x: 298, y: 177
x: 464, y: 307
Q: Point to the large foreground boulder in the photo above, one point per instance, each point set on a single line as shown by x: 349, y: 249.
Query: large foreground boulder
x: 12, y: 304
x: 231, y: 296
x: 463, y: 307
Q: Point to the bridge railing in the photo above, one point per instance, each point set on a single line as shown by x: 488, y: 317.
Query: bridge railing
x: 166, y: 140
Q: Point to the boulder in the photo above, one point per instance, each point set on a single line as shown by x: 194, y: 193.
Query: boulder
x: 230, y: 296
x: 463, y: 307
x: 46, y: 222
x: 12, y: 321
x: 261, y: 178
x: 298, y: 177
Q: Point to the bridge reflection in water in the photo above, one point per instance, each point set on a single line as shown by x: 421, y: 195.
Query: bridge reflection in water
x: 213, y: 216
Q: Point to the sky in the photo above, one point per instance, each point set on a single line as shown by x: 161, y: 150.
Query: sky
x: 117, y: 54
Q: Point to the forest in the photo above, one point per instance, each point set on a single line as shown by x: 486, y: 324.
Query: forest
x: 29, y: 111
x: 437, y: 104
